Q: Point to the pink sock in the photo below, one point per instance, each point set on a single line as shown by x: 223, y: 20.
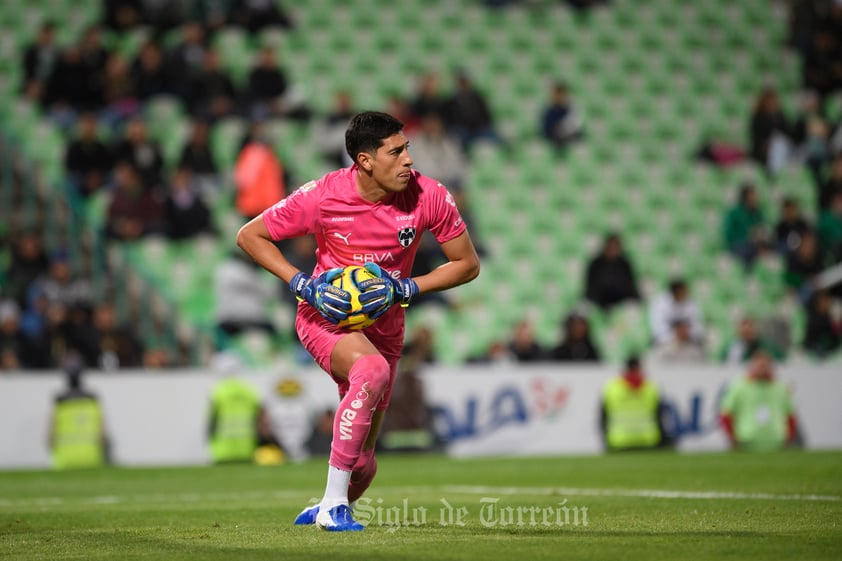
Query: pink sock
x: 368, y: 379
x: 362, y: 475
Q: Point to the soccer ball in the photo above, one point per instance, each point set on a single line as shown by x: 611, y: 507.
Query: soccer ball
x: 349, y: 281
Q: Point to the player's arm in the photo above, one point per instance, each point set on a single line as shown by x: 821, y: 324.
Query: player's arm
x: 255, y: 240
x: 331, y: 302
x: 462, y: 266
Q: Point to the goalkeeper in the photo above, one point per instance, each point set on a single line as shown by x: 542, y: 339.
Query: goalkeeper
x: 372, y: 212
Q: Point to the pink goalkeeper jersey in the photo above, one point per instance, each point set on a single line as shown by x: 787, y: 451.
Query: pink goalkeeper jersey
x: 350, y: 230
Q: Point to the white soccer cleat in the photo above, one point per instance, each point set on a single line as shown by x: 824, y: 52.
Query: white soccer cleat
x: 307, y: 516
x: 338, y: 519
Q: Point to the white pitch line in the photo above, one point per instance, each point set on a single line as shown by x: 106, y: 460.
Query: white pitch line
x: 644, y: 493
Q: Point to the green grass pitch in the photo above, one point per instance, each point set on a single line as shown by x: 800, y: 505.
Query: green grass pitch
x: 639, y: 506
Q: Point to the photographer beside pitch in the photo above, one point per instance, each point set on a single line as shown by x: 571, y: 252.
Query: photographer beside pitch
x: 372, y: 212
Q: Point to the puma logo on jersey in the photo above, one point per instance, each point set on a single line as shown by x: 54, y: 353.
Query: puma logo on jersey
x: 343, y: 238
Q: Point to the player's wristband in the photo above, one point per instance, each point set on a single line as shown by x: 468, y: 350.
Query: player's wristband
x: 405, y: 291
x: 298, y: 284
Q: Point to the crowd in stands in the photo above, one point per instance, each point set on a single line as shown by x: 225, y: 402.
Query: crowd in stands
x: 99, y: 97
x: 46, y: 309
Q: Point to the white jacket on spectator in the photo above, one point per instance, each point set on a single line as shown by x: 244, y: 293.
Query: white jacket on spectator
x: 664, y: 310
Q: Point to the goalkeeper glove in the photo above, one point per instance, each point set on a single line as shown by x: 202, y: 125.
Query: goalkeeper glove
x: 378, y: 294
x: 402, y: 290
x: 331, y: 302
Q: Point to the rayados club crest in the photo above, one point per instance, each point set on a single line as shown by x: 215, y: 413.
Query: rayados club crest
x: 405, y: 236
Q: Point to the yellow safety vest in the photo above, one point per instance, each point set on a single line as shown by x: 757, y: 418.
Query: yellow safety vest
x: 235, y: 406
x: 631, y: 415
x: 77, y: 434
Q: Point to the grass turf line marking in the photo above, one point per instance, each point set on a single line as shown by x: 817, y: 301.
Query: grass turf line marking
x: 638, y: 493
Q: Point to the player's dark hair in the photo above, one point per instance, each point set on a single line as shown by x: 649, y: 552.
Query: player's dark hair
x: 367, y: 130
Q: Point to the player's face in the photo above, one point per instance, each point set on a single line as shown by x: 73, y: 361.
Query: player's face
x: 391, y: 165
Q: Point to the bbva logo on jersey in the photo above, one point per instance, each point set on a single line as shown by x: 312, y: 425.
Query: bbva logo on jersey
x: 405, y: 236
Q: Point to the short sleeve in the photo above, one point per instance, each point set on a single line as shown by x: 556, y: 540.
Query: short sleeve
x: 729, y: 400
x: 295, y: 215
x: 786, y: 397
x: 445, y: 221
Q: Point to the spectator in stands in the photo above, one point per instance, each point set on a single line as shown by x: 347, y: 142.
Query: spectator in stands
x: 80, y: 335
x: 681, y: 347
x: 744, y: 227
x: 29, y: 261
x: 823, y: 333
x: 143, y: 153
x: 770, y: 131
x: 94, y: 56
x: 88, y: 159
x: 11, y: 338
x: 45, y: 331
x: 149, y: 73
x: 747, y: 342
x: 582, y: 6
x: 399, y: 107
x: 242, y: 296
x: 561, y: 123
x: 437, y: 154
x: 331, y: 133
x: 184, y: 60
x: 811, y: 135
x: 258, y: 174
x: 122, y: 15
x: 429, y: 98
x: 256, y: 15
x: 185, y: 213
x: 790, y: 227
x: 268, y: 88
x: 523, y: 344
x: 212, y: 93
x: 67, y: 91
x: 38, y: 61
x: 157, y: 358
x: 802, y: 266
x: 829, y: 231
x: 630, y: 413
x: 832, y: 186
x: 610, y: 278
x: 467, y: 113
x: 673, y: 305
x: 820, y: 63
x: 196, y: 156
x: 267, y: 85
x: 119, y: 94
x: 497, y: 353
x: 757, y: 412
x: 419, y: 349
x: 119, y: 346
x: 576, y: 344
x: 134, y: 211
x: 61, y: 286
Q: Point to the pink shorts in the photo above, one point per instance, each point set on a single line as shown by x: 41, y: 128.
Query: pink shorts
x: 320, y: 336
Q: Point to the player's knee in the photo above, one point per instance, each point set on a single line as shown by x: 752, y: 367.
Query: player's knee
x: 374, y: 371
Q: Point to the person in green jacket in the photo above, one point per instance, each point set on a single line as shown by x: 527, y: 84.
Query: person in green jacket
x: 829, y: 230
x: 77, y: 428
x: 631, y: 411
x: 744, y: 227
x: 756, y: 412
